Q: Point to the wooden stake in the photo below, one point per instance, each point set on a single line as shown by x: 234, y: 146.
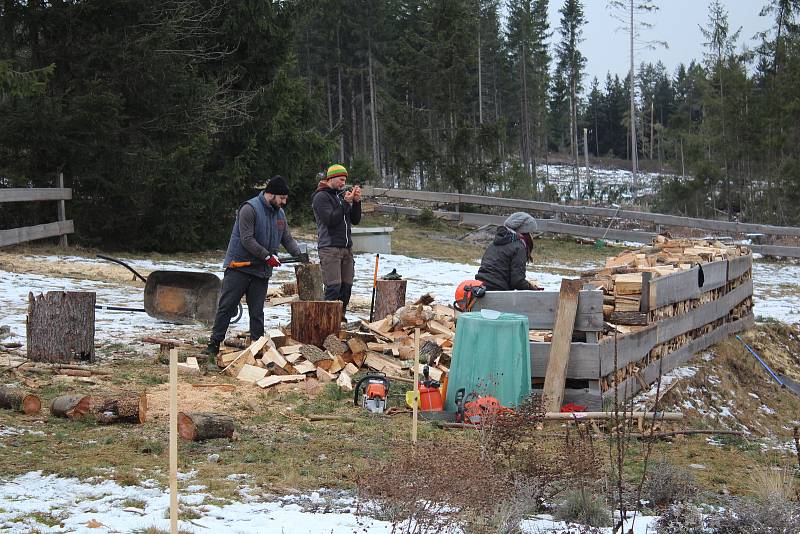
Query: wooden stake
x: 416, y: 388
x: 556, y: 374
x: 173, y: 441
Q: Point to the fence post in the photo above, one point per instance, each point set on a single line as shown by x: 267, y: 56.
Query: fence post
x: 62, y: 212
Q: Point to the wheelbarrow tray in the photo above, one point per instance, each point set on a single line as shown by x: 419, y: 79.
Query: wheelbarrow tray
x: 183, y: 297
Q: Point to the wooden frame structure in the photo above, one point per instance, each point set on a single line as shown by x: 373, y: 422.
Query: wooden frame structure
x: 683, y: 318
x: 60, y: 228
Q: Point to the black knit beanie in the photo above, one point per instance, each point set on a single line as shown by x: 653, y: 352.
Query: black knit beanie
x: 277, y: 186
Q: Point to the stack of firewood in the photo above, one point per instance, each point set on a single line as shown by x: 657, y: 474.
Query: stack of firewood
x: 386, y: 346
x: 621, y: 279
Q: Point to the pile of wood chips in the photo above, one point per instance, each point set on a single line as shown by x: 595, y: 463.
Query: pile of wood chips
x: 385, y: 346
x: 621, y: 279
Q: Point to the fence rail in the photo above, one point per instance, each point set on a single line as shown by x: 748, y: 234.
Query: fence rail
x: 556, y: 227
x: 60, y: 228
x: 548, y: 207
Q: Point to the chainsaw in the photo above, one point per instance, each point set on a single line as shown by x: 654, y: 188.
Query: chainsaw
x: 376, y: 390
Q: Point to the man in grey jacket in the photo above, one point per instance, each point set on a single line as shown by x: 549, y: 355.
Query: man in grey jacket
x: 259, y: 230
x: 336, y: 210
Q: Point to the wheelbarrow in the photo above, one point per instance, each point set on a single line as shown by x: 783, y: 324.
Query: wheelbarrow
x: 183, y: 297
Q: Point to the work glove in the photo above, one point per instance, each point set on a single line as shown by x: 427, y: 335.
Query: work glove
x: 273, y: 261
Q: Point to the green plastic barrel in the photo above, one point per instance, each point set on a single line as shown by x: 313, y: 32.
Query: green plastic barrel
x: 491, y: 357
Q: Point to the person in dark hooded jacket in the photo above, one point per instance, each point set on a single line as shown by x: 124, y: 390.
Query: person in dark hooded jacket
x: 336, y: 210
x: 503, y: 264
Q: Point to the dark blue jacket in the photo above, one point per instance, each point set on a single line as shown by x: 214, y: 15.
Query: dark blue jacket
x: 270, y: 232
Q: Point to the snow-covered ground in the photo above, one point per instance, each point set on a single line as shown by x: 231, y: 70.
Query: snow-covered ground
x: 47, y: 503
x: 776, y: 290
x: 99, y: 506
x: 423, y: 275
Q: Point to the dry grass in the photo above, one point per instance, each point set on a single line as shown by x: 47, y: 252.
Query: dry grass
x: 771, y: 483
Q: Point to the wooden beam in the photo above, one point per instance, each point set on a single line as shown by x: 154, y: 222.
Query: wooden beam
x: 775, y: 250
x: 559, y: 349
x: 584, y: 360
x: 32, y: 233
x: 540, y: 307
x: 34, y: 194
x: 738, y: 266
x: 532, y: 205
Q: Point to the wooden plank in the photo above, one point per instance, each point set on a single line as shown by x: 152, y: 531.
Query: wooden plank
x: 631, y: 385
x: 32, y: 233
x: 540, y: 307
x: 644, y: 300
x: 556, y: 373
x: 251, y: 374
x: 674, y: 288
x: 34, y: 194
x: 271, y: 380
x: 715, y: 275
x: 584, y: 360
x: 738, y: 266
x: 702, y: 315
x: 532, y: 205
x: 543, y: 225
x: 630, y: 348
x: 775, y: 250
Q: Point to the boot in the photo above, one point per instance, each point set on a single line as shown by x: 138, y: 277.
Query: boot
x: 210, y: 355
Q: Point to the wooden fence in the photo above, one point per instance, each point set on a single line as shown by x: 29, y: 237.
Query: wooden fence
x: 721, y: 306
x: 60, y: 228
x: 555, y: 226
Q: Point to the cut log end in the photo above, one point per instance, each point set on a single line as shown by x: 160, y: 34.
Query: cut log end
x: 18, y: 400
x: 31, y: 404
x: 71, y: 406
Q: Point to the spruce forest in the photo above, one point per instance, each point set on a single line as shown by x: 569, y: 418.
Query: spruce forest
x: 164, y: 115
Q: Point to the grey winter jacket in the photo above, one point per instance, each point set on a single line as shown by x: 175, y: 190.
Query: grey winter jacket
x: 503, y: 264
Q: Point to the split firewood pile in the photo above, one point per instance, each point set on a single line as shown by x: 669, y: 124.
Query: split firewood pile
x: 385, y: 346
x: 621, y: 279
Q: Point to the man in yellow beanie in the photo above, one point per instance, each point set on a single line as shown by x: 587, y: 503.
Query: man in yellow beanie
x: 336, y: 210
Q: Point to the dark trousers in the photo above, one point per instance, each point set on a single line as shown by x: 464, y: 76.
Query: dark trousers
x: 234, y: 285
x: 338, y: 269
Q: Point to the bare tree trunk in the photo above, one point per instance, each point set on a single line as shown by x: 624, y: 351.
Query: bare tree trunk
x: 634, y: 155
x: 339, y: 89
x: 376, y: 161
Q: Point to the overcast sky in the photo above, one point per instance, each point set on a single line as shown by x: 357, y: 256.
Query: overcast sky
x: 677, y: 22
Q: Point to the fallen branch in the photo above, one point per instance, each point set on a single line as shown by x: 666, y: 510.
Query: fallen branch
x: 662, y: 435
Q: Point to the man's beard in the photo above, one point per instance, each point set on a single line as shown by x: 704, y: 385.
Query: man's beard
x: 276, y: 203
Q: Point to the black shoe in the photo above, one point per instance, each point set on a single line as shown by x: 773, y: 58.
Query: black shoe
x: 211, y: 350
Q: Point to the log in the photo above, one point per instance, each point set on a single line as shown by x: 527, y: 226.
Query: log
x: 199, y: 426
x: 335, y: 346
x: 20, y: 401
x: 60, y: 326
x: 313, y: 321
x: 71, y: 406
x: 237, y: 343
x: 309, y: 281
x: 121, y: 408
x: 390, y: 296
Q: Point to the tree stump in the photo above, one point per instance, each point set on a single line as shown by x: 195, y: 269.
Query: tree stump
x: 71, y: 406
x: 20, y: 401
x: 199, y: 426
x: 122, y: 408
x: 309, y: 281
x: 60, y: 326
x: 313, y: 321
x: 390, y: 296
